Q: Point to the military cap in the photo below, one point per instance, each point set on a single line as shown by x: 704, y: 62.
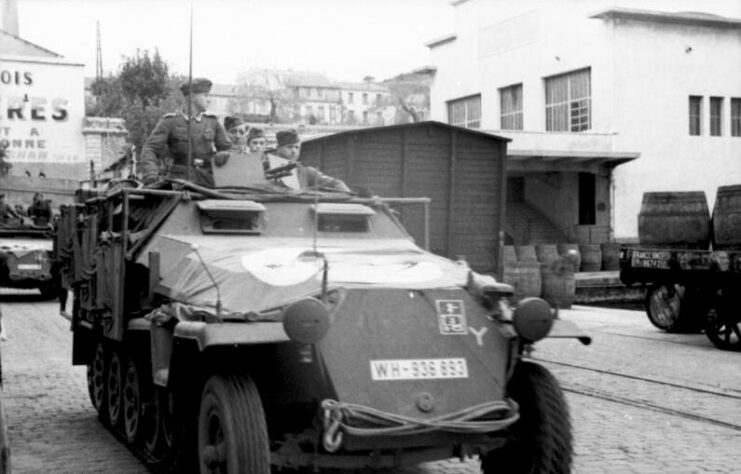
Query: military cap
x: 199, y: 85
x: 255, y: 133
x: 230, y: 122
x: 287, y: 137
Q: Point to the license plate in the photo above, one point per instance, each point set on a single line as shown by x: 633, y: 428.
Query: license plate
x: 419, y: 369
x: 29, y: 266
x: 650, y: 259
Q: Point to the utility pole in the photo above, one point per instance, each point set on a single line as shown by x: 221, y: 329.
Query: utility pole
x: 98, y: 54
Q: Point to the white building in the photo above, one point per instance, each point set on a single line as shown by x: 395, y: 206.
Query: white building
x: 363, y: 102
x: 582, y: 86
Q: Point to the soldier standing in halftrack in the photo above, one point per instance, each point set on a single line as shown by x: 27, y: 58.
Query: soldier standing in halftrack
x: 208, y: 140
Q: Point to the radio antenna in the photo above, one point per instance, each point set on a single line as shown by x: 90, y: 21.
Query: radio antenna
x: 190, y: 94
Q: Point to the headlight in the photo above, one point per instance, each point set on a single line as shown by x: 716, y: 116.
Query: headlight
x: 533, y: 319
x: 306, y: 320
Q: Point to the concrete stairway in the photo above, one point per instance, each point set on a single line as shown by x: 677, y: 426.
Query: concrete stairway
x: 526, y: 225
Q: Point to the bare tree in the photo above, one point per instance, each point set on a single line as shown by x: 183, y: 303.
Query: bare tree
x: 258, y: 88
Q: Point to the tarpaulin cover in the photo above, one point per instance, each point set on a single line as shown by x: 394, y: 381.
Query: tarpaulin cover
x: 255, y: 278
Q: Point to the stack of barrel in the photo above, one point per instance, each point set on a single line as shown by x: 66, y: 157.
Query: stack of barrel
x: 726, y: 222
x: 681, y: 219
x: 522, y: 270
x: 677, y: 219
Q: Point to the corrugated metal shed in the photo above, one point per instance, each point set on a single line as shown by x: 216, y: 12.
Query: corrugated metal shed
x: 463, y: 171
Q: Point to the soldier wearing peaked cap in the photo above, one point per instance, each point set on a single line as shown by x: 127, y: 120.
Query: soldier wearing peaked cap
x: 208, y: 140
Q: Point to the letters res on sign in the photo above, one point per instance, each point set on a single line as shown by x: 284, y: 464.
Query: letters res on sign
x: 41, y: 111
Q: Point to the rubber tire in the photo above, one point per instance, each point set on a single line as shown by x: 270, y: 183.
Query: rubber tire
x: 723, y: 328
x: 158, y: 432
x: 133, y: 401
x: 541, y: 440
x: 97, y: 376
x: 114, y: 384
x: 231, y: 409
x: 680, y: 309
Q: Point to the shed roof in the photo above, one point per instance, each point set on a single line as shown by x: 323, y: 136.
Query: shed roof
x: 403, y: 126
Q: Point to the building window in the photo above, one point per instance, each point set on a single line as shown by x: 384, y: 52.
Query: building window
x: 320, y: 113
x: 350, y: 98
x: 365, y: 98
x: 716, y: 113
x: 465, y: 112
x: 378, y: 99
x: 510, y: 99
x: 320, y: 92
x: 736, y: 117
x: 309, y: 110
x: 365, y: 116
x: 568, y: 102
x: 332, y: 114
x: 695, y: 115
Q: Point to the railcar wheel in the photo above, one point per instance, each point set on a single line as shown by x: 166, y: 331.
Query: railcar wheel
x: 97, y: 375
x: 133, y: 403
x: 113, y: 388
x: 232, y: 432
x: 541, y: 440
x: 671, y: 307
x: 723, y: 328
x: 158, y: 424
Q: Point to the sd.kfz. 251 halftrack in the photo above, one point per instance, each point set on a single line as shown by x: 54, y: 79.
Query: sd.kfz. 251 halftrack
x: 245, y: 328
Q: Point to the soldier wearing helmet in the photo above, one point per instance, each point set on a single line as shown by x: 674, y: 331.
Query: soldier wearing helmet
x: 208, y: 140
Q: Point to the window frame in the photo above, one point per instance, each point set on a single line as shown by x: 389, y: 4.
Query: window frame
x: 695, y: 116
x: 469, y: 119
x: 735, y: 116
x: 511, y: 118
x: 715, y: 114
x: 571, y: 112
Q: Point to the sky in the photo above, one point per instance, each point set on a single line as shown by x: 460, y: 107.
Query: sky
x: 345, y: 39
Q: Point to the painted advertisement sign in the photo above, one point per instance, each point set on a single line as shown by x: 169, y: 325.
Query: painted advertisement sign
x: 42, y: 105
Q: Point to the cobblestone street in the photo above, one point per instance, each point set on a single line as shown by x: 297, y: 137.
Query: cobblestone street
x: 641, y: 401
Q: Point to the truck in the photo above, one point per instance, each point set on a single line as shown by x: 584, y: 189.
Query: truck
x: 26, y: 257
x: 249, y: 327
x: 689, y: 290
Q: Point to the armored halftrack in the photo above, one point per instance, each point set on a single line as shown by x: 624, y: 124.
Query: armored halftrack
x: 26, y: 257
x: 236, y: 328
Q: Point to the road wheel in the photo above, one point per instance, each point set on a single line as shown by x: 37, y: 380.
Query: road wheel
x: 114, y: 386
x: 672, y: 307
x: 97, y: 375
x: 232, y: 433
x: 540, y: 442
x: 723, y: 328
x: 158, y: 429
x: 133, y: 403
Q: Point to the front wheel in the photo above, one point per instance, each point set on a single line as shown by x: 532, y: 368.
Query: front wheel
x: 232, y: 432
x: 723, y: 327
x: 541, y: 441
x: 672, y: 307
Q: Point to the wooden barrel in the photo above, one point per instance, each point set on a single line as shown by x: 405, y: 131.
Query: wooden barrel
x: 509, y: 254
x: 546, y: 253
x: 558, y: 284
x: 526, y: 253
x: 524, y: 278
x: 674, y: 219
x: 610, y: 256
x: 727, y: 218
x: 591, y: 257
x: 571, y: 253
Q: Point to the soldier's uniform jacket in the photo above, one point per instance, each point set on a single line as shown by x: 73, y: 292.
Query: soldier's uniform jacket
x: 170, y: 139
